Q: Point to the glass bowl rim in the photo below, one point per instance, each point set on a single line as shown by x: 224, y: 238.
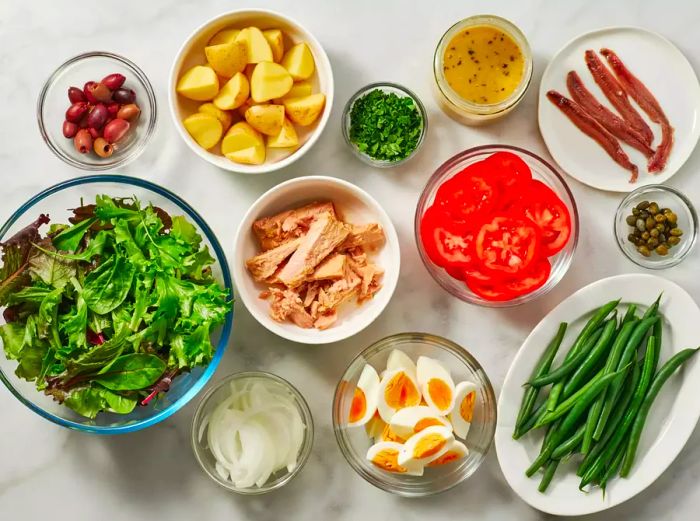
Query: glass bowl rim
x: 307, y: 444
x: 379, y: 85
x: 434, y: 341
x: 626, y: 201
x: 456, y: 159
x: 138, y: 147
x: 226, y: 328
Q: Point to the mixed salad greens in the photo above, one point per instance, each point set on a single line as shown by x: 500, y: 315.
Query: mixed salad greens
x: 104, y: 312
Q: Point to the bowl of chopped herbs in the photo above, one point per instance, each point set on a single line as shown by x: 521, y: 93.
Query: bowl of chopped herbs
x: 115, y: 304
x: 384, y: 124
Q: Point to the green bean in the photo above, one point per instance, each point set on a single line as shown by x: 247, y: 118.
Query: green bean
x: 612, y: 470
x: 542, y: 367
x: 658, y: 332
x: 599, y: 349
x: 567, y: 404
x: 554, y: 395
x: 596, y: 320
x: 569, y: 365
x: 530, y: 423
x: 659, y: 380
x: 627, y: 355
x: 548, y: 475
x: 569, y: 421
x: 610, y: 366
x: 630, y: 314
x: 653, y: 309
x: 570, y: 444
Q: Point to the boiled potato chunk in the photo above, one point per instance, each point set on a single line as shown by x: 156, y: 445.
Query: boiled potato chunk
x: 304, y: 111
x: 299, y: 62
x: 257, y: 47
x: 248, y: 103
x: 298, y: 90
x: 276, y: 40
x: 227, y: 58
x: 243, y: 144
x: 224, y: 117
x: 267, y: 119
x: 269, y: 81
x: 224, y: 36
x: 249, y: 70
x: 200, y: 83
x: 234, y: 93
x: 204, y: 128
x: 287, y: 138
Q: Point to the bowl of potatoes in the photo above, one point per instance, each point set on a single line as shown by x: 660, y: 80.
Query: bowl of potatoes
x: 251, y: 91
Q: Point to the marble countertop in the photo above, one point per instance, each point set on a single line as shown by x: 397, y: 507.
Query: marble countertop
x: 48, y: 471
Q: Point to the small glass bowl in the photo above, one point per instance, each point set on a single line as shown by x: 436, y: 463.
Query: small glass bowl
x: 666, y: 197
x: 53, y: 103
x: 220, y: 392
x: 354, y: 442
x: 541, y: 170
x: 390, y: 88
x: 465, y: 111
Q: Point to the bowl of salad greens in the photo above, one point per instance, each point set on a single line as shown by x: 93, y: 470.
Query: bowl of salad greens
x: 115, y: 303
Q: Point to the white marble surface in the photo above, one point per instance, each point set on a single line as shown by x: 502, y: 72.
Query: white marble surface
x: 47, y: 471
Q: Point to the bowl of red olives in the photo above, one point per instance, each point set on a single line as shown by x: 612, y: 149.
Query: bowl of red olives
x: 656, y: 226
x: 97, y: 111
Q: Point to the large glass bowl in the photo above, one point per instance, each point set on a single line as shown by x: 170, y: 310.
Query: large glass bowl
x: 56, y: 201
x: 541, y: 170
x: 354, y: 442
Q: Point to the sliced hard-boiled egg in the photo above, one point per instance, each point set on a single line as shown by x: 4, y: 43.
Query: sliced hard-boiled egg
x: 426, y: 446
x: 375, y: 426
x: 389, y: 435
x: 463, y: 411
x: 455, y: 451
x: 397, y: 389
x: 364, y: 400
x: 436, y: 384
x: 385, y: 455
x: 406, y: 422
x: 400, y: 360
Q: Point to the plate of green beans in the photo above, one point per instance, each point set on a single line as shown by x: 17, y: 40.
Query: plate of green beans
x: 602, y: 395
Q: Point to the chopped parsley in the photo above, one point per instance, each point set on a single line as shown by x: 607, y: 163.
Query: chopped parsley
x: 385, y: 126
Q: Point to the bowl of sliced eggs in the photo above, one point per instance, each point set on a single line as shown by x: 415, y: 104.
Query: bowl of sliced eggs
x: 414, y: 414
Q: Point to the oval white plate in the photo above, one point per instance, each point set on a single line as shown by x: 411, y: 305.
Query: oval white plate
x: 660, y: 66
x: 671, y: 421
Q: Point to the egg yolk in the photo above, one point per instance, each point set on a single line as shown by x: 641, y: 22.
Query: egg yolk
x: 440, y: 393
x: 448, y: 457
x: 388, y: 459
x: 389, y: 435
x: 428, y: 446
x: 400, y: 392
x: 358, y: 407
x: 425, y: 423
x: 466, y: 408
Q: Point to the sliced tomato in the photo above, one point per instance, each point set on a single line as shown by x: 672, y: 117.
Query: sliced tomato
x: 469, y: 193
x: 507, y: 244
x: 534, y: 278
x: 456, y: 273
x: 542, y: 206
x: 510, y: 169
x: 488, y: 291
x: 447, y: 242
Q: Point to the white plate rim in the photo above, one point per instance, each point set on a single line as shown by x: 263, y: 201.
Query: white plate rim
x: 658, y: 178
x: 671, y: 440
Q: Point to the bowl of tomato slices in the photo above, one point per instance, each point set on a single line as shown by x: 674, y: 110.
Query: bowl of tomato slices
x: 497, y: 226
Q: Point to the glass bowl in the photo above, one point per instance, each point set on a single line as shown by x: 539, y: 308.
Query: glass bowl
x: 354, y: 442
x: 56, y: 202
x: 468, y: 112
x: 219, y: 393
x: 400, y: 91
x: 53, y: 103
x: 666, y: 198
x: 541, y: 170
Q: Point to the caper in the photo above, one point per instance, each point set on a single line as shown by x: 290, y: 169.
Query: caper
x: 632, y: 238
x: 635, y: 211
x: 671, y: 217
x: 644, y: 250
x: 631, y: 220
x: 652, y: 242
x: 660, y: 227
x: 676, y: 231
x: 650, y: 222
x: 671, y: 224
x: 674, y: 240
x: 661, y: 250
x: 643, y: 205
x: 641, y: 225
x: 645, y: 236
x: 653, y: 208
x: 654, y: 233
x: 662, y: 237
x: 660, y: 218
x: 644, y: 214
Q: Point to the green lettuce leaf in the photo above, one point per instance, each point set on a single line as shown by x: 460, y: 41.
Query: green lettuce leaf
x: 90, y: 401
x: 131, y: 372
x: 12, y: 336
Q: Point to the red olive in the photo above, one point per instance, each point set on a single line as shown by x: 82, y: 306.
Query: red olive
x: 129, y: 112
x: 83, y: 141
x: 98, y: 116
x: 124, y: 96
x: 113, y: 81
x: 116, y: 130
x: 103, y: 148
x: 70, y: 129
x: 100, y: 92
x: 87, y: 90
x: 75, y: 95
x: 113, y: 108
x: 94, y: 132
x: 76, y: 111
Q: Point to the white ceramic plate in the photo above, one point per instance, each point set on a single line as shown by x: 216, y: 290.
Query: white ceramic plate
x: 671, y: 421
x: 355, y: 206
x: 661, y: 67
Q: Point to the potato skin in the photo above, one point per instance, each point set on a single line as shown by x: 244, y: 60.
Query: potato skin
x: 304, y: 111
x: 267, y: 119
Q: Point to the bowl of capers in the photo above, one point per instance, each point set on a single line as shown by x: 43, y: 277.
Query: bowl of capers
x: 656, y: 226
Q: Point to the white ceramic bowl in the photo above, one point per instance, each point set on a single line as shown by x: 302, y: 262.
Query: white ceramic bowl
x: 355, y: 206
x: 192, y: 53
